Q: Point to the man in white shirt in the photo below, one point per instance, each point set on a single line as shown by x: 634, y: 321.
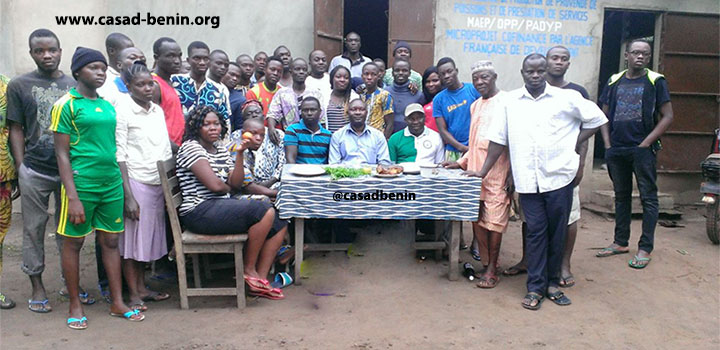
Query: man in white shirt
x: 544, y: 126
x: 114, y: 44
x: 318, y: 78
x: 351, y: 58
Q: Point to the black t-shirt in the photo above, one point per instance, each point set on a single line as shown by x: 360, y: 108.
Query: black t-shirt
x: 579, y: 89
x: 632, y: 102
x: 30, y: 98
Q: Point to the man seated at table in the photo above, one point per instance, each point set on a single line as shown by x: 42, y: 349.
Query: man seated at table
x: 263, y: 161
x: 356, y: 143
x: 307, y: 142
x: 416, y: 143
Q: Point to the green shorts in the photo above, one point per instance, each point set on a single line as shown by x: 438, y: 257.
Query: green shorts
x: 103, y: 212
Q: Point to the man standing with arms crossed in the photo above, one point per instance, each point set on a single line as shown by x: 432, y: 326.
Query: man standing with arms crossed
x: 544, y: 127
x: 633, y: 100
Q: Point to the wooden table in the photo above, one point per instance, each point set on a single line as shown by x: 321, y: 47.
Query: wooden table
x: 439, y: 194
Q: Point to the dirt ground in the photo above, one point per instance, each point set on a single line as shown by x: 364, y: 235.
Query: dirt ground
x: 385, y: 298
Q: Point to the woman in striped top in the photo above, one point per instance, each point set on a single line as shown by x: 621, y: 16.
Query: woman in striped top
x: 336, y: 103
x: 207, y: 176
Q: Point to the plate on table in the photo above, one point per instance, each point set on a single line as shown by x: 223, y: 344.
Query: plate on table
x: 410, y: 168
x: 386, y: 175
x: 429, y: 165
x: 307, y: 170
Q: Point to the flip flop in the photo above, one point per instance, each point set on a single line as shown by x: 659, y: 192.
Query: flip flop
x: 489, y: 283
x: 77, y: 323
x: 85, y: 298
x: 156, y: 296
x: 475, y: 254
x: 252, y: 283
x: 138, y: 306
x: 45, y: 308
x: 513, y: 271
x: 532, y: 296
x: 282, y: 280
x: 635, y: 262
x: 272, y: 294
x: 610, y: 251
x: 130, y: 315
x: 559, y: 298
x: 567, y: 282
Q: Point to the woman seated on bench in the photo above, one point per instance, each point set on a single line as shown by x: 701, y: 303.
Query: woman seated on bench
x: 207, y: 176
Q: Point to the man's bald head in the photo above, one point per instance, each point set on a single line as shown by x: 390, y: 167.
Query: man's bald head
x: 114, y: 43
x: 128, y: 56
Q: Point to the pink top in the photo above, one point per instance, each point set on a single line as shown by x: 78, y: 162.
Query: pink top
x: 429, y: 120
x: 170, y: 104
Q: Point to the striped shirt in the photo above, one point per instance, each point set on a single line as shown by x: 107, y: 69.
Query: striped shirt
x: 193, y: 190
x: 336, y: 117
x: 312, y: 147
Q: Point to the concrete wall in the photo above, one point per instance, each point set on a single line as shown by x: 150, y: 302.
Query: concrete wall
x: 505, y: 31
x: 245, y: 26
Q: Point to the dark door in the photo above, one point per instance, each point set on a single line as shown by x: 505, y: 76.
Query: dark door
x: 689, y: 56
x: 413, y: 21
x: 328, y: 26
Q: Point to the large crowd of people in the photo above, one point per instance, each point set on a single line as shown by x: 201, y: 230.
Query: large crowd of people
x: 92, y: 139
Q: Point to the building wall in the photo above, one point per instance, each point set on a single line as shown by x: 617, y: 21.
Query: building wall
x: 245, y: 26
x: 504, y: 31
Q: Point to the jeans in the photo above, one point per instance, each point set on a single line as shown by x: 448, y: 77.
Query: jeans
x: 622, y: 162
x: 35, y: 189
x: 546, y: 216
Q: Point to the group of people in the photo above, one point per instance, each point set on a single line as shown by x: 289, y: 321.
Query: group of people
x: 93, y: 140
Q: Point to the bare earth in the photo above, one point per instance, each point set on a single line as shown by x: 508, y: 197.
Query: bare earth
x: 385, y: 298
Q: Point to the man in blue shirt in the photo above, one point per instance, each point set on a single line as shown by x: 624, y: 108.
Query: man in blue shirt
x: 451, y: 109
x: 237, y: 98
x: 401, y: 94
x: 356, y: 143
x: 307, y: 142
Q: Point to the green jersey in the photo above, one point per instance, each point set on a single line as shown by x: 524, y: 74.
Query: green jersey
x: 91, y: 126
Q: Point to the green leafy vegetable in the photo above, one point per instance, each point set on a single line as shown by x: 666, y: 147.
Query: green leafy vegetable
x: 341, y: 172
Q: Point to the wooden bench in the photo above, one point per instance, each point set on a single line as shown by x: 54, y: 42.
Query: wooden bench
x: 187, y: 242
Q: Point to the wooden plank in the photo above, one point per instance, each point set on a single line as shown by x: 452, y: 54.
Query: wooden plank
x: 239, y: 281
x: 454, y: 251
x: 209, y: 248
x: 198, y: 292
x: 299, y: 245
x: 196, y: 270
x: 182, y: 280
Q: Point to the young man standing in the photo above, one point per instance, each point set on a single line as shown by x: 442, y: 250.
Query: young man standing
x: 284, y: 109
x: 247, y: 68
x: 401, y: 94
x: 378, y: 101
x: 286, y: 57
x: 633, y: 100
x: 217, y: 69
x: 194, y: 89
x: 542, y: 127
x: 351, y: 57
x: 114, y: 44
x: 416, y: 143
x: 307, y: 142
x: 237, y: 98
x: 167, y: 54
x: 29, y: 100
x: 260, y: 61
x: 451, y: 109
x: 266, y: 89
x: 403, y: 51
x: 319, y: 78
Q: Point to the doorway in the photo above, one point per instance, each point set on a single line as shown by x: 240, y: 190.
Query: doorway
x: 619, y: 27
x: 370, y: 20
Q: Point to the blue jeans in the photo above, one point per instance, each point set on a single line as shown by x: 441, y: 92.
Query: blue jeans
x: 546, y: 216
x: 622, y: 163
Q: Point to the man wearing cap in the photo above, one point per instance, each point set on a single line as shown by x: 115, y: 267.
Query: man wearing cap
x: 416, y: 143
x: 494, y: 198
x: 403, y: 51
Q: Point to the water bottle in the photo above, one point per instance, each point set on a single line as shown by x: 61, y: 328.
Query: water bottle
x: 469, y: 271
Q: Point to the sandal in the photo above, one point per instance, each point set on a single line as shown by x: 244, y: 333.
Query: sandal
x: 140, y: 306
x: 282, y: 280
x: 530, y: 297
x: 567, y: 282
x: 272, y: 294
x: 488, y: 283
x: 638, y: 262
x: 5, y: 302
x: 85, y: 298
x: 559, y: 298
x: 513, y: 271
x: 475, y: 254
x: 156, y: 296
x: 132, y: 315
x: 610, y: 251
x: 44, y: 307
x: 77, y: 323
x: 256, y: 285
